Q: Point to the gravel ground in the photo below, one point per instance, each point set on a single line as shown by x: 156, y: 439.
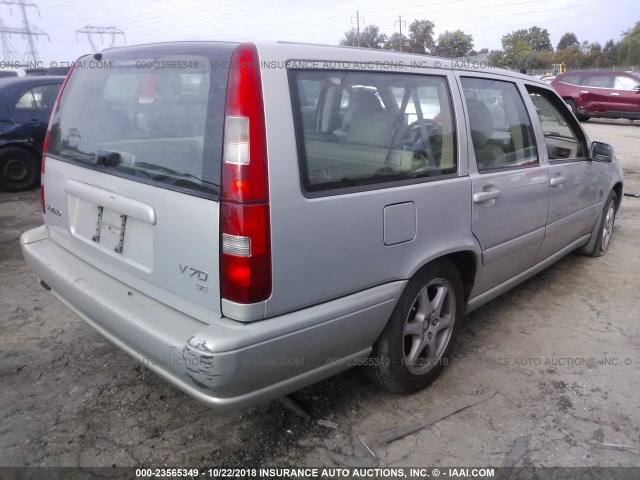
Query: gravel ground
x: 562, y: 350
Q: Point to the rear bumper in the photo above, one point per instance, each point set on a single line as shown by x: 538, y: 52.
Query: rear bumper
x: 225, y: 364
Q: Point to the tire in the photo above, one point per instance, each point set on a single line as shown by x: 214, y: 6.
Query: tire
x: 605, y: 229
x: 19, y: 169
x: 418, y: 339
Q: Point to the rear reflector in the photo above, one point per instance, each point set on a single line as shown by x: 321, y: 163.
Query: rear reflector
x: 236, y: 245
x: 245, y: 230
x: 236, y: 134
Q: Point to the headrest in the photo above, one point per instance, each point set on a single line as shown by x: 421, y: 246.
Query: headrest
x: 480, y: 121
x: 361, y: 100
x: 371, y: 128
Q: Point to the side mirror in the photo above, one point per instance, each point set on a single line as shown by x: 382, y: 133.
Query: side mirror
x: 601, y: 152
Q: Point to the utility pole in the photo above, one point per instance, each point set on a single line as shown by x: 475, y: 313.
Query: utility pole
x: 399, y: 22
x: 357, y: 26
x: 28, y: 30
x: 110, y: 32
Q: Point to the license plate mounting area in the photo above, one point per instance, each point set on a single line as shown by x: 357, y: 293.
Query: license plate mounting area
x: 110, y: 229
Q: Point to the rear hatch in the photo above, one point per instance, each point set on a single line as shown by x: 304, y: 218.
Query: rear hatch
x: 133, y: 167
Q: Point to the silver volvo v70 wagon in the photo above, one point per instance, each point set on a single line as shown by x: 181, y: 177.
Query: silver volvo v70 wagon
x: 247, y: 219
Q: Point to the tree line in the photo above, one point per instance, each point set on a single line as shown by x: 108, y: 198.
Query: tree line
x: 525, y: 48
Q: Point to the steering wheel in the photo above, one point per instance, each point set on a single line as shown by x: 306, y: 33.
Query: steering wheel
x: 412, y: 138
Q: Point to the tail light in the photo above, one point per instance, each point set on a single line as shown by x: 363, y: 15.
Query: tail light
x: 45, y: 146
x: 245, y: 239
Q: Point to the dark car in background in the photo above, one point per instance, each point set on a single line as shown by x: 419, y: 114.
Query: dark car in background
x: 600, y: 94
x: 25, y: 108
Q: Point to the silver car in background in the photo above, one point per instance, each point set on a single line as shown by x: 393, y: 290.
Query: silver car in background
x: 247, y: 219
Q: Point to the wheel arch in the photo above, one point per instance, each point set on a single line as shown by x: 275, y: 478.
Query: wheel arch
x: 465, y: 261
x: 24, y: 146
x: 618, y: 189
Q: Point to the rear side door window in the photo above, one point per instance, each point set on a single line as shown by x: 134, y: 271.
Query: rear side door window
x: 501, y: 130
x: 41, y: 97
x: 599, y: 81
x: 364, y: 129
x: 33, y: 110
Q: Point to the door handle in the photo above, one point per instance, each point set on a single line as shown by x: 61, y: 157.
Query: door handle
x: 584, y: 91
x: 485, y: 196
x: 35, y: 122
x: 615, y: 93
x: 558, y: 180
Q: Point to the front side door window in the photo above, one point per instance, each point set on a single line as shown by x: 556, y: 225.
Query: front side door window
x: 622, y: 82
x: 562, y: 137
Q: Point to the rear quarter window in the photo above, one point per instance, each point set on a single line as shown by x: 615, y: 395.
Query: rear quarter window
x: 154, y: 116
x: 365, y: 129
x: 572, y: 79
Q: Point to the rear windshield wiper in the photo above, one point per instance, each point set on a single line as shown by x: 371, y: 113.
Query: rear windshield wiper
x: 147, y: 168
x: 103, y: 157
x: 82, y: 157
x: 168, y: 171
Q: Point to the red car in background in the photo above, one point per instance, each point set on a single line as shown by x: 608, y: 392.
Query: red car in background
x: 600, y: 94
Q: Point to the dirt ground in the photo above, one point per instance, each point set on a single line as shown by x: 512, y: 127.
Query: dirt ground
x: 562, y: 350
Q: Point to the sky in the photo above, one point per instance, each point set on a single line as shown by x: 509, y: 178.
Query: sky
x: 312, y: 21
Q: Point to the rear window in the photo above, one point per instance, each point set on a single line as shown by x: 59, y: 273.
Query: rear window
x: 152, y: 114
x: 360, y: 129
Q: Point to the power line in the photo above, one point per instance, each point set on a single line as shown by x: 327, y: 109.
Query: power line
x: 91, y: 31
x: 144, y: 18
x: 66, y: 13
x: 28, y: 30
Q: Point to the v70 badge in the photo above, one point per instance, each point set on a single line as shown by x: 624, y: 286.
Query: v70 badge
x: 194, y: 272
